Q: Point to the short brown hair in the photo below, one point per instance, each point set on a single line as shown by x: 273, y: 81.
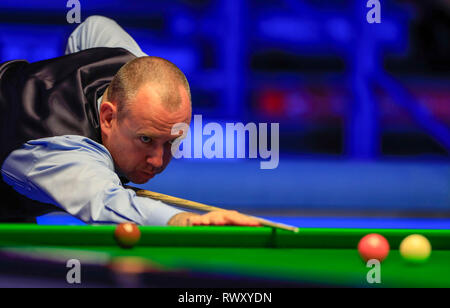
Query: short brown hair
x: 165, y: 75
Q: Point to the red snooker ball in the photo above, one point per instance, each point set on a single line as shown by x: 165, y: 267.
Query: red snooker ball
x: 373, y: 246
x: 127, y: 234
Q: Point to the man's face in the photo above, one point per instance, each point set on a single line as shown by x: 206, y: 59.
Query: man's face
x: 140, y: 143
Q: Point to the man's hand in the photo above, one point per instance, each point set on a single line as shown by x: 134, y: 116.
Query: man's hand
x: 215, y: 218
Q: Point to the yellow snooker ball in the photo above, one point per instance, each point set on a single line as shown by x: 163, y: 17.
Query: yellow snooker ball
x: 415, y: 248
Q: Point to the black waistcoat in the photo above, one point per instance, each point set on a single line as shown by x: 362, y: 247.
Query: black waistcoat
x: 51, y: 98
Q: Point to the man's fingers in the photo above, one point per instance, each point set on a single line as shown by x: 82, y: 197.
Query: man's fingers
x: 202, y: 220
x: 205, y: 221
x: 221, y: 218
x: 232, y: 218
x: 236, y: 218
x: 218, y: 221
x: 215, y: 218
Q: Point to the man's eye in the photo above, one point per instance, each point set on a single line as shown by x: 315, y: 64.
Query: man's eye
x: 145, y: 139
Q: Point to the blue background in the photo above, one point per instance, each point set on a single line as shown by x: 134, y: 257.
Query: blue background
x: 363, y: 108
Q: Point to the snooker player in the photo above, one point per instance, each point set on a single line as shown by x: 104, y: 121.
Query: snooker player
x: 74, y: 129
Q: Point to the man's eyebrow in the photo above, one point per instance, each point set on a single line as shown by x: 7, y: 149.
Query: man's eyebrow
x: 157, y: 136
x: 144, y: 131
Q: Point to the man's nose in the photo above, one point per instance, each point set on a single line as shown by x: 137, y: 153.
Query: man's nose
x: 155, y: 157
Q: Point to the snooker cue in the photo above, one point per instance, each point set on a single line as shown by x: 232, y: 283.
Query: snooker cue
x: 203, y: 207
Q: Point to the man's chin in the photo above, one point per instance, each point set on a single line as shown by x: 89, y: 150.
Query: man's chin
x: 141, y: 179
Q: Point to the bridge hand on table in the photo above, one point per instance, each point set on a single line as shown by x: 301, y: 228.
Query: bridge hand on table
x: 214, y: 218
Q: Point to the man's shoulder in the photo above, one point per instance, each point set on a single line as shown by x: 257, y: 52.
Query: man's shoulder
x: 93, y: 55
x: 69, y: 143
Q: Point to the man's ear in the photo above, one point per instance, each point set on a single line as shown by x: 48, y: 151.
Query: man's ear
x: 108, y: 114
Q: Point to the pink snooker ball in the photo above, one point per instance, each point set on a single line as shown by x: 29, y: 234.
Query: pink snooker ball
x: 373, y: 246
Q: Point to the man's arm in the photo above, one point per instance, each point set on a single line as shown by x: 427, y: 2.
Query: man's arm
x: 77, y: 175
x: 99, y: 31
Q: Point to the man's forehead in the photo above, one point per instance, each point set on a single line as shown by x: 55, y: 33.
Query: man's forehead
x: 156, y: 113
x: 155, y: 121
x: 172, y: 97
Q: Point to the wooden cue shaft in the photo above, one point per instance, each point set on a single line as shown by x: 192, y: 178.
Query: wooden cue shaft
x: 203, y: 207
